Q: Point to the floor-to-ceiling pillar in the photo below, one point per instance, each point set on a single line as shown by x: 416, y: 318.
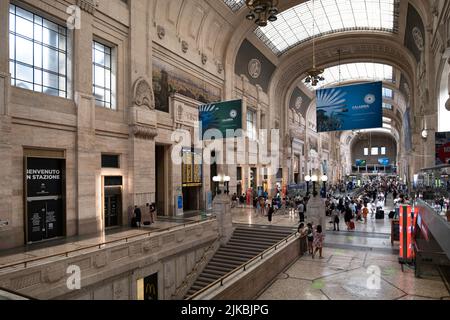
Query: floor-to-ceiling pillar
x: 10, y: 233
x: 89, y: 219
x: 142, y: 114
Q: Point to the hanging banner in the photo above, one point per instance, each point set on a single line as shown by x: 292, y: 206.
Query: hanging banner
x: 350, y: 107
x: 442, y: 147
x: 222, y: 116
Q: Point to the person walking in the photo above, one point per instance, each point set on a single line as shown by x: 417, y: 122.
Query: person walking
x: 365, y: 212
x: 303, y: 231
x: 270, y: 213
x: 310, y: 237
x: 348, y: 216
x: 301, y: 211
x: 319, y: 237
x: 137, y: 216
x: 335, y: 217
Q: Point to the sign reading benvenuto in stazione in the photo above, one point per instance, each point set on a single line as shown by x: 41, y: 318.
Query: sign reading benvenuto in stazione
x: 44, y: 177
x: 350, y: 107
x: 44, y: 210
x: 221, y: 116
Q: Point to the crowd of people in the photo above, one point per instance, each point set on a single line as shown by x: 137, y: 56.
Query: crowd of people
x: 370, y: 202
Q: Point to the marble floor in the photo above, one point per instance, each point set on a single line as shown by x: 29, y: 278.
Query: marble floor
x: 356, y: 265
x: 345, y: 274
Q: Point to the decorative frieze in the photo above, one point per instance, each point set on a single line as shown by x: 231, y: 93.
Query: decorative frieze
x: 144, y: 132
x: 100, y: 260
x: 55, y: 273
x: 87, y: 5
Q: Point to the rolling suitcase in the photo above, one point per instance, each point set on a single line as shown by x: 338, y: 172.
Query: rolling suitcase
x: 391, y: 214
x: 379, y: 214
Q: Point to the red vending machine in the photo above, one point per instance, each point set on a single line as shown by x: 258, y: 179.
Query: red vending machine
x: 406, y: 234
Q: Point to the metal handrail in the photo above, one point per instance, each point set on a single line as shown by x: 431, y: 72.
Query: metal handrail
x: 126, y: 239
x: 258, y: 257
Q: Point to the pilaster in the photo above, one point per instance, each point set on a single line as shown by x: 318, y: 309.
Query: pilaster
x: 141, y: 112
x: 87, y: 162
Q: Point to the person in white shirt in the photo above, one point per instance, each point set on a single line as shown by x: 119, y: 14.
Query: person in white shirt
x: 301, y: 211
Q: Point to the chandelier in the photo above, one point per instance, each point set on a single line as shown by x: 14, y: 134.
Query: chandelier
x: 314, y: 75
x: 262, y: 11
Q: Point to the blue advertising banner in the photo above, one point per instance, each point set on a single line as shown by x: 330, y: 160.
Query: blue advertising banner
x: 350, y: 107
x: 221, y: 115
x: 361, y: 163
x: 384, y: 161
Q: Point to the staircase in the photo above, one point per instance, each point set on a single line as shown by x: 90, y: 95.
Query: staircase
x: 246, y: 243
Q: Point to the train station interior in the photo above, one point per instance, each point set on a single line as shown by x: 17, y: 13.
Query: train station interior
x: 224, y: 150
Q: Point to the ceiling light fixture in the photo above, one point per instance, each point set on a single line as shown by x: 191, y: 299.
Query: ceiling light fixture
x: 262, y: 11
x: 314, y: 74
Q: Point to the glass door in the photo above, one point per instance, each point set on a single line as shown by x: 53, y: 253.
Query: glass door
x: 112, y: 206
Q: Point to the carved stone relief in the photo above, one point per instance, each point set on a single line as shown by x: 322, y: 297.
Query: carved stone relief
x: 184, y: 46
x: 204, y: 58
x: 161, y: 32
x: 87, y: 5
x: 143, y: 94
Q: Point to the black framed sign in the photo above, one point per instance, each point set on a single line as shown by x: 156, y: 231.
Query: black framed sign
x: 44, y: 183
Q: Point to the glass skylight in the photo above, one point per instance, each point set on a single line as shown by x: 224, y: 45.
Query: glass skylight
x: 364, y: 71
x: 295, y: 25
x: 234, y: 5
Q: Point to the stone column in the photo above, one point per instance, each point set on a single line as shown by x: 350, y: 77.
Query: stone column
x: 316, y: 207
x: 10, y: 235
x: 141, y: 111
x: 222, y: 210
x: 87, y: 160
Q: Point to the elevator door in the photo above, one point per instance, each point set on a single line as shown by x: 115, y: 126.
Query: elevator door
x: 112, y: 207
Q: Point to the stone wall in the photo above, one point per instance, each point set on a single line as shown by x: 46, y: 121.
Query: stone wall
x: 112, y: 271
x: 259, y: 276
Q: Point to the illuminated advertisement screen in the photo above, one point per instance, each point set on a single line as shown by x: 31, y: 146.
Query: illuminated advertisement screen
x: 383, y: 161
x: 361, y: 163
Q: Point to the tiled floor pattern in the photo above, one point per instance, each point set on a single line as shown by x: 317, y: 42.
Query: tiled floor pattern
x: 349, y: 275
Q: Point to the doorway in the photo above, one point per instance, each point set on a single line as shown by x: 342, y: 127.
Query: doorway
x: 160, y: 174
x: 112, y: 201
x: 191, y: 198
x: 112, y: 208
